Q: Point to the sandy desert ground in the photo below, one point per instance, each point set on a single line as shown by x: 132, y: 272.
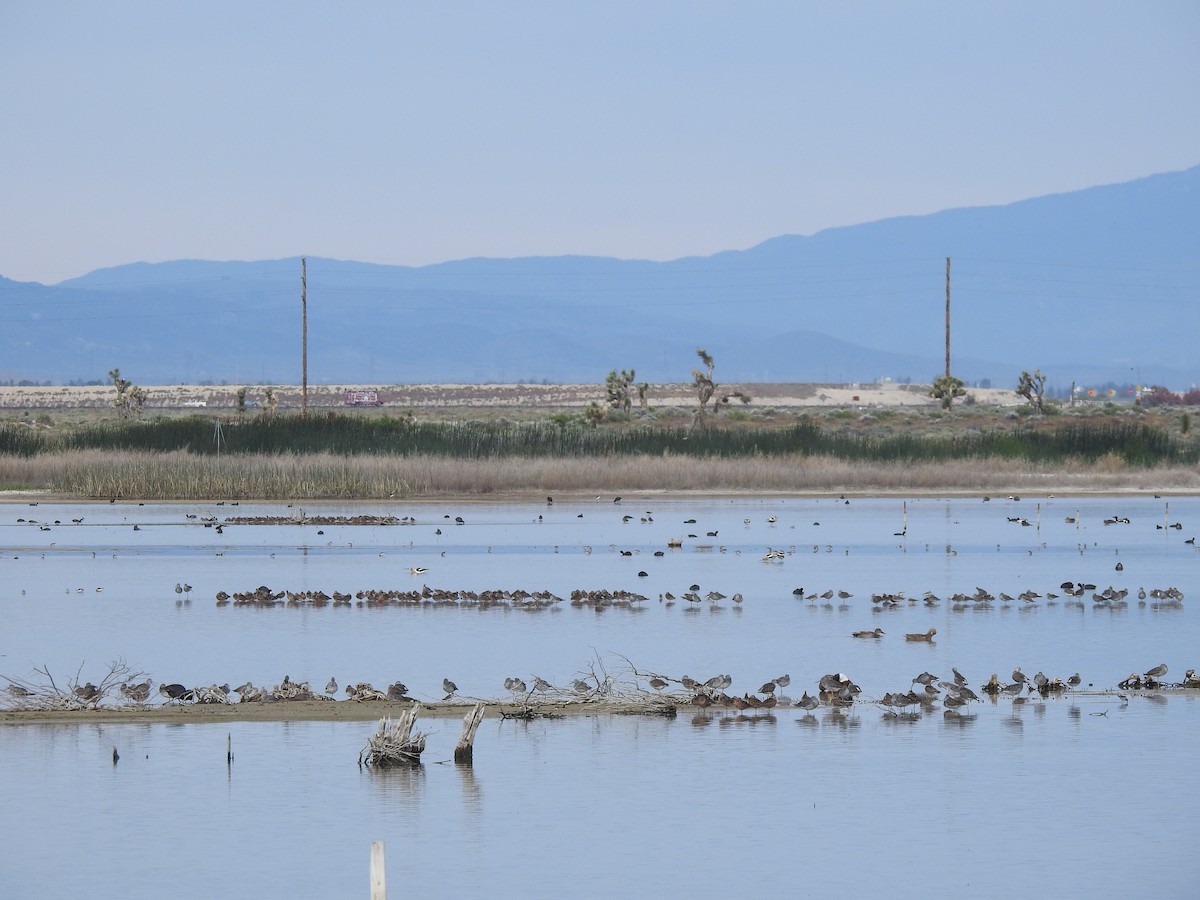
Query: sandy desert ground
x: 398, y: 398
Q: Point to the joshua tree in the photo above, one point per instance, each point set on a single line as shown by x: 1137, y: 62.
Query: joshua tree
x: 130, y: 398
x: 1033, y: 388
x: 642, y: 387
x: 272, y: 401
x: 706, y: 389
x: 618, y: 389
x: 241, y: 400
x: 946, y: 388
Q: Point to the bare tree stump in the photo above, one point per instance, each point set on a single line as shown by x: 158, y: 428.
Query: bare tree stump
x: 464, y: 750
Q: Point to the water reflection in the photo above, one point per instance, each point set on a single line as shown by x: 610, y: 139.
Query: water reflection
x: 398, y: 783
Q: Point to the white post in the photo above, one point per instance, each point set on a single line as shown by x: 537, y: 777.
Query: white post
x: 378, y: 874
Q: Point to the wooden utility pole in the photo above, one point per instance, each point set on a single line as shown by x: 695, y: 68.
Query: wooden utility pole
x: 304, y: 335
x: 947, y: 316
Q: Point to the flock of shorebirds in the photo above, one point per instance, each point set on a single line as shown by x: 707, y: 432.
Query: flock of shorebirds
x: 836, y: 691
x: 980, y: 599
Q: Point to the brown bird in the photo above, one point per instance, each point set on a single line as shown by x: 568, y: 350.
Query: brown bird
x: 927, y: 636
x: 869, y: 634
x: 1158, y: 671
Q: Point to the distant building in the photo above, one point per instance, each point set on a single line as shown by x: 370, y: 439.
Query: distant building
x: 362, y: 398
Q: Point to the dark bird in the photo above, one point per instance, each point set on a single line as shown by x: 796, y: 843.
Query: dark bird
x: 174, y: 691
x: 449, y: 687
x: 869, y: 634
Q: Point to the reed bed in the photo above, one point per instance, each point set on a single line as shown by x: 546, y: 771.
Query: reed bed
x: 1136, y: 443
x: 180, y: 475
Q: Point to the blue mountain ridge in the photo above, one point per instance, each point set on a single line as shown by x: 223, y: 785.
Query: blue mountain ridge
x: 1091, y: 286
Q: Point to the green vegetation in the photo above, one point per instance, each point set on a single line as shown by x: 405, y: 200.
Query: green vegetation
x: 947, y: 388
x: 1083, y: 439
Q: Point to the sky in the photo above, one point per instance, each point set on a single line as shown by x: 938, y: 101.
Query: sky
x: 412, y: 133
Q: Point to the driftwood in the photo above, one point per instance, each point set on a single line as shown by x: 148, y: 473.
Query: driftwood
x: 395, y: 743
x: 44, y: 693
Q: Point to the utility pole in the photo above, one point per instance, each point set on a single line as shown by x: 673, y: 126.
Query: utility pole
x: 947, y: 316
x: 304, y: 335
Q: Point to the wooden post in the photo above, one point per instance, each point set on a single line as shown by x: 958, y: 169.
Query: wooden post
x: 378, y: 873
x: 229, y: 749
x: 304, y: 336
x: 464, y: 751
x: 947, y: 316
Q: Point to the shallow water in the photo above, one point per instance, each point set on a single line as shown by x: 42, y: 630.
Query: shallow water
x: 1071, y: 796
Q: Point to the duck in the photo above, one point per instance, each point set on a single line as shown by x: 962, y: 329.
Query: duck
x: 878, y: 632
x: 927, y: 636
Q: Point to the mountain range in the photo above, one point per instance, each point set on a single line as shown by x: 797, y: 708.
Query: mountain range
x: 1095, y: 286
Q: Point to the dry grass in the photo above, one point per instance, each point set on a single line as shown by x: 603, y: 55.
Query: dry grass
x: 96, y: 474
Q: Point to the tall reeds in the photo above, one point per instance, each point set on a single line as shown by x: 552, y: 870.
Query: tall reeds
x: 351, y: 457
x: 1137, y: 444
x: 179, y: 475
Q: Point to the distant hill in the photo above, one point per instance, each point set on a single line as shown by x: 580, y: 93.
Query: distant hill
x: 1096, y: 285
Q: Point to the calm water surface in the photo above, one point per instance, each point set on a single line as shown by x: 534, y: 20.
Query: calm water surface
x: 1078, y: 796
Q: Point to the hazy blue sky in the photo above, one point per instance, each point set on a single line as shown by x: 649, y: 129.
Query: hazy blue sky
x: 416, y: 133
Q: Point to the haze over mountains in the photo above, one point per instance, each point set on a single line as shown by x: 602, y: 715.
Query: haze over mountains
x: 1094, y: 286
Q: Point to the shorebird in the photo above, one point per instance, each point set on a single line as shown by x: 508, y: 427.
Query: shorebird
x: 397, y: 690
x: 657, y: 683
x: 449, y: 687
x: 174, y: 692
x: 927, y: 636
x: 1074, y: 680
x: 87, y: 692
x: 808, y: 703
x: 1158, y: 671
x: 331, y: 688
x: 1018, y: 676
x: 782, y: 681
x: 869, y: 634
x: 138, y: 693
